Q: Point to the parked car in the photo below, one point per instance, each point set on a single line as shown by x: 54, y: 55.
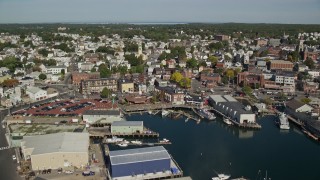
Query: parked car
x: 69, y: 172
x: 88, y: 173
x: 59, y: 170
x: 14, y: 157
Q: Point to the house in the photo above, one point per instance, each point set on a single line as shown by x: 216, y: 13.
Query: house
x: 56, y: 69
x: 125, y: 86
x: 314, y: 74
x: 171, y: 95
x: 310, y: 87
x: 171, y: 63
x: 207, y: 76
x: 221, y: 37
x: 36, y: 94
x: 298, y: 106
x: 27, y: 81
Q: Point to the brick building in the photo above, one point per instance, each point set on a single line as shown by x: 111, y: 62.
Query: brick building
x: 96, y: 85
x: 281, y: 64
x: 77, y: 77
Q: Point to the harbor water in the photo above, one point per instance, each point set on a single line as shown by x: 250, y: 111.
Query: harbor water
x: 207, y: 148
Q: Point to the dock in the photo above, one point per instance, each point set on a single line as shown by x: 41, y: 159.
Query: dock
x: 185, y: 114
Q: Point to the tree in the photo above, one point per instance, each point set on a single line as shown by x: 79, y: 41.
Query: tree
x: 247, y: 90
x: 11, y: 63
x: 230, y: 73
x: 105, y: 93
x: 42, y: 76
x: 104, y: 71
x: 305, y: 100
x: 213, y: 60
x: 10, y: 82
x: 268, y: 101
x: 176, y: 76
x: 310, y: 63
x: 43, y: 52
x: 93, y: 69
x: 192, y: 63
x: 185, y: 82
x: 63, y: 71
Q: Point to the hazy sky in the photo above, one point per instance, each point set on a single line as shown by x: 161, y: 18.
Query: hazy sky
x: 112, y: 11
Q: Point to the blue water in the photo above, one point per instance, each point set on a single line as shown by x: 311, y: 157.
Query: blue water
x: 209, y: 147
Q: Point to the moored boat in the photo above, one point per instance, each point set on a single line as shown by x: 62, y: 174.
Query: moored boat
x: 206, y: 114
x: 221, y: 177
x: 283, y: 121
x: 114, y: 139
x: 136, y: 142
x: 227, y: 121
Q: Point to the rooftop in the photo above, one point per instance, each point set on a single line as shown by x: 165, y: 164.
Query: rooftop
x: 34, y: 90
x: 59, y: 142
x: 102, y: 112
x: 138, y: 155
x: 127, y: 123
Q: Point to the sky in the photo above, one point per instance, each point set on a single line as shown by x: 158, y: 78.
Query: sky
x: 148, y: 11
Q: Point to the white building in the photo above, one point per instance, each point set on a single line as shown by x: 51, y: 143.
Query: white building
x: 53, y: 151
x: 314, y: 74
x: 36, y: 94
x: 230, y: 107
x: 55, y: 69
x: 286, y: 79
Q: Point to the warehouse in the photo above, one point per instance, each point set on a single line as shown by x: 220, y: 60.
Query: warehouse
x: 56, y: 150
x: 127, y: 127
x: 134, y: 162
x: 232, y: 108
x: 103, y: 116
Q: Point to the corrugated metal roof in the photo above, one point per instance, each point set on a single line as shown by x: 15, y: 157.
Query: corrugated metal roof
x: 58, y: 142
x: 138, y: 155
x: 127, y: 123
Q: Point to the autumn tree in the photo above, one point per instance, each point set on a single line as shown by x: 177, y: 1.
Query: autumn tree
x: 176, y: 76
x: 310, y: 63
x: 10, y: 82
x: 305, y: 100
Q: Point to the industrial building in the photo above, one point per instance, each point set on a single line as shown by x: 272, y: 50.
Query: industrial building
x: 141, y: 161
x: 127, y: 127
x: 230, y: 107
x: 56, y: 150
x: 105, y: 116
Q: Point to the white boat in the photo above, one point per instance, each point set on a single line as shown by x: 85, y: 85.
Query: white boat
x: 164, y: 140
x: 283, y: 121
x: 221, y: 177
x: 114, y: 139
x: 150, y: 112
x: 136, y: 142
x: 248, y: 108
x: 227, y: 121
x: 206, y: 114
x: 164, y: 113
x: 123, y: 144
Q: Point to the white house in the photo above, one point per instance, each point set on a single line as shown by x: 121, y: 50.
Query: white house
x: 36, y: 93
x: 55, y: 69
x: 314, y: 74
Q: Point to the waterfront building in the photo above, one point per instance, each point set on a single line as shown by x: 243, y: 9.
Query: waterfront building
x: 171, y: 95
x: 140, y: 161
x: 53, y: 151
x: 230, y: 107
x: 297, y: 106
x: 105, y: 116
x: 127, y: 127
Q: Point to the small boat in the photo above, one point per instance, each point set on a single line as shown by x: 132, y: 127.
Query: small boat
x: 150, y: 112
x: 123, y: 144
x: 164, y: 140
x: 114, y: 139
x: 136, y: 142
x: 221, y: 177
x: 164, y: 113
x: 227, y: 121
x: 206, y: 114
x: 186, y: 120
x: 248, y: 108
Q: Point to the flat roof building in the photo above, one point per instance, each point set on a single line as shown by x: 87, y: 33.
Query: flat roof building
x: 56, y: 150
x: 134, y: 162
x: 127, y: 127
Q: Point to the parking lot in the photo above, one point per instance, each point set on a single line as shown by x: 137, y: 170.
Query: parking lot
x: 65, y: 108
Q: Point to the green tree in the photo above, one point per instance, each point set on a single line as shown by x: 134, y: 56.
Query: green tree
x: 176, y: 76
x: 105, y: 93
x: 93, y: 69
x: 230, y: 73
x: 192, y: 63
x: 268, y: 101
x: 247, y: 90
x: 63, y: 71
x: 305, y: 100
x: 185, y: 82
x: 310, y: 63
x: 42, y: 76
x: 104, y: 71
x: 213, y: 60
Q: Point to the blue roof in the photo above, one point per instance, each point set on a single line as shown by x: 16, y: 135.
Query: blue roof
x: 138, y: 155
